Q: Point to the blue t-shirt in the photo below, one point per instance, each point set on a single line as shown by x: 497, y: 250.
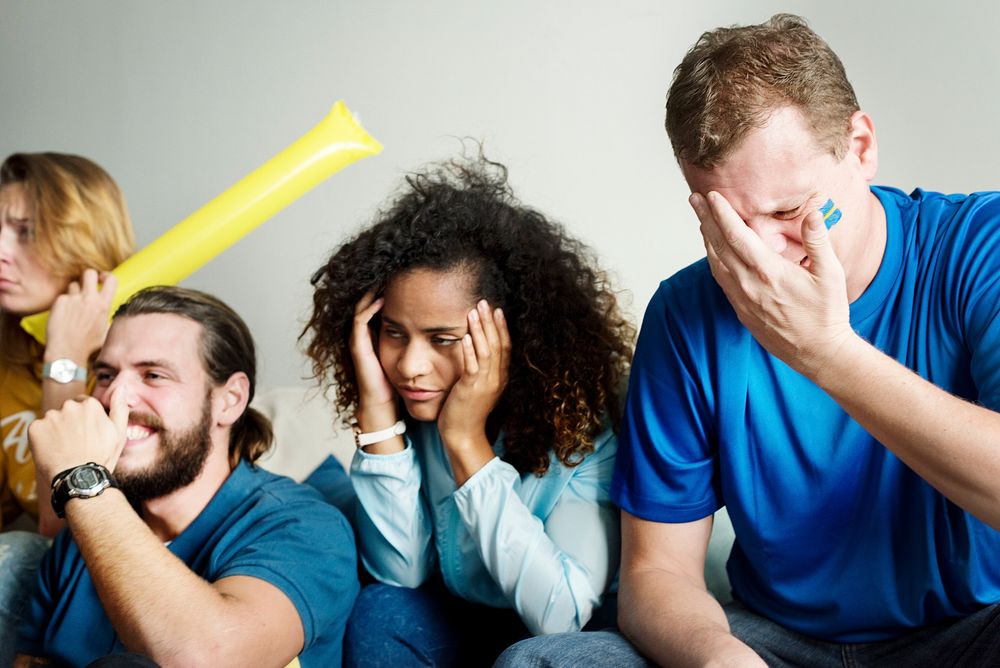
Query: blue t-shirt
x: 835, y: 537
x: 258, y: 524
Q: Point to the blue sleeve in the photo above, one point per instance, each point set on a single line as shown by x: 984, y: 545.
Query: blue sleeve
x: 553, y: 572
x: 39, y: 608
x: 667, y: 466
x: 979, y: 277
x: 394, y: 523
x: 318, y: 574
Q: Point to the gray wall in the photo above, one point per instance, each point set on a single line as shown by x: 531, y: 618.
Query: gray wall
x: 180, y: 99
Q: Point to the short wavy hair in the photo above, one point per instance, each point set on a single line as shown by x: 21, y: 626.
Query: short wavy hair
x: 571, y: 345
x: 732, y: 79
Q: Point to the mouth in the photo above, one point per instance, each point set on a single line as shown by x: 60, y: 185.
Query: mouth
x: 140, y: 427
x: 137, y: 432
x: 417, y: 393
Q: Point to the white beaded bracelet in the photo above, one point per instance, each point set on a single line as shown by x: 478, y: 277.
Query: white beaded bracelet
x: 361, y: 440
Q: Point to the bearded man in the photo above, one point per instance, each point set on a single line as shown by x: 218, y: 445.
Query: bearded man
x: 187, y: 554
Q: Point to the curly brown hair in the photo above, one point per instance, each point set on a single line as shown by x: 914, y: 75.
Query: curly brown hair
x: 571, y: 345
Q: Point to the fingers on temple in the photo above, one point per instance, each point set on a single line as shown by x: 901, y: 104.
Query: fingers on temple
x: 469, y: 356
x: 88, y: 282
x: 477, y: 334
x: 367, y: 307
x: 109, y: 283
x: 735, y: 242
x: 487, y: 317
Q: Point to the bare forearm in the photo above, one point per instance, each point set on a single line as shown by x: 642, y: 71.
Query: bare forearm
x: 951, y: 443
x: 677, y: 623
x: 54, y: 395
x: 48, y: 524
x: 372, y: 418
x: 156, y: 604
x: 664, y: 607
x: 467, y: 455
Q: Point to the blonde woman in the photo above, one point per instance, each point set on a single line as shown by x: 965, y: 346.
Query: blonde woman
x: 63, y: 226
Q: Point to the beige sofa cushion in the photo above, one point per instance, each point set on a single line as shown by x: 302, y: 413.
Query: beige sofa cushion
x: 305, y: 431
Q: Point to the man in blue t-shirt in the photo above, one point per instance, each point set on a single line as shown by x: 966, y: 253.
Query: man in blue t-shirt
x: 187, y: 553
x: 834, y: 385
x: 830, y: 373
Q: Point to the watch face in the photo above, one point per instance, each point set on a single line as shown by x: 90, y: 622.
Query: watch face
x: 85, y: 479
x: 62, y: 370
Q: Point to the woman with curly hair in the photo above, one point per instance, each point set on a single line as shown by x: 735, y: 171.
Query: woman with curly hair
x: 481, y: 357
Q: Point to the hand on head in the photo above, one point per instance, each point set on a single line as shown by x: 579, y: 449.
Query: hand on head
x: 486, y: 356
x: 376, y: 396
x: 798, y: 312
x: 79, y: 318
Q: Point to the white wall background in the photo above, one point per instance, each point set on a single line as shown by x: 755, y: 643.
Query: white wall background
x: 180, y: 99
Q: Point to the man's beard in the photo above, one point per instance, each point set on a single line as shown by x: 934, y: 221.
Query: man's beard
x: 180, y: 459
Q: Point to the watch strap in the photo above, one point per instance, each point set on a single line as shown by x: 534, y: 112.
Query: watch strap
x: 372, y: 437
x: 79, y: 370
x: 62, y: 491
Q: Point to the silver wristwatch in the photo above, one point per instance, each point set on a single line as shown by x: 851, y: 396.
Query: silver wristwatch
x: 64, y: 370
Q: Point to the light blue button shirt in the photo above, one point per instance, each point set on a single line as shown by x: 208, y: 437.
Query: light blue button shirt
x: 546, y: 546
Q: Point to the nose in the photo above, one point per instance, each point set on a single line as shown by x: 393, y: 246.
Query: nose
x: 7, y: 242
x: 121, y: 383
x: 415, y: 360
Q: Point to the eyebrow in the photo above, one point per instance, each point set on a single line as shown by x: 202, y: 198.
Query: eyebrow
x: 22, y: 222
x: 145, y: 364
x: 428, y: 330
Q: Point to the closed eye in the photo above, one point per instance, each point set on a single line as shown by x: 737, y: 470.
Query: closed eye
x: 788, y: 214
x: 104, y: 377
x: 24, y: 229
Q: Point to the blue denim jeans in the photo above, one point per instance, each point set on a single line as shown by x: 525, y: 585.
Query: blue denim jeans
x: 968, y: 642
x: 397, y: 626
x: 20, y: 553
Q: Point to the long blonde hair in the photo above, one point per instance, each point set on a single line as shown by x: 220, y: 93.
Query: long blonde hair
x: 81, y: 221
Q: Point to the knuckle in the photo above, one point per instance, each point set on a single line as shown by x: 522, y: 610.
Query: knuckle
x: 732, y: 239
x: 766, y: 278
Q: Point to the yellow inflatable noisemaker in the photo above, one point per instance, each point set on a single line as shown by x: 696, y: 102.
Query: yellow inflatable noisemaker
x: 334, y: 143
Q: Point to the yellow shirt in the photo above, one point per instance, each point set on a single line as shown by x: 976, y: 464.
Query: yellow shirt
x: 20, y: 400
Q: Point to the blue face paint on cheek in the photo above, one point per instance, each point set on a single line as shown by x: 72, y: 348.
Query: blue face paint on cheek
x: 831, y: 214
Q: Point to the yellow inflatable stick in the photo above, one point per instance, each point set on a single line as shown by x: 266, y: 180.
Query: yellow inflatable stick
x: 333, y: 144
